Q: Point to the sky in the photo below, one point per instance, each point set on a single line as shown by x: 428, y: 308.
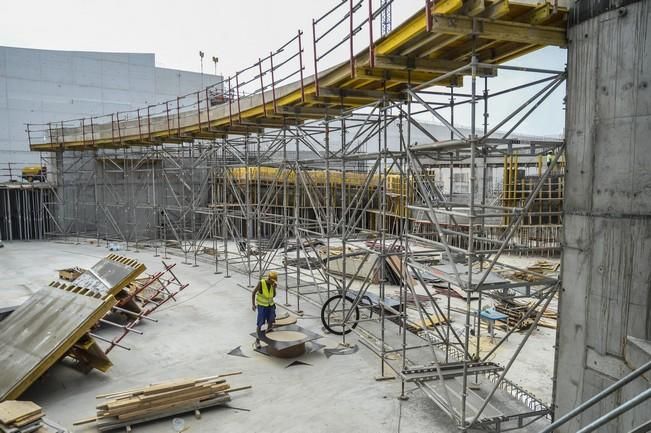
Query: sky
x: 237, y: 32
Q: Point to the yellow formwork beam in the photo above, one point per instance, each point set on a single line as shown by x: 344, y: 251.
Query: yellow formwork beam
x: 514, y: 27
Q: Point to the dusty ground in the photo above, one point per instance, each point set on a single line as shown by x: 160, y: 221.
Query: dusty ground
x: 211, y: 318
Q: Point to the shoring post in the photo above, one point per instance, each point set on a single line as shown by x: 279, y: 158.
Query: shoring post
x: 285, y: 226
x: 428, y: 14
x: 471, y: 248
x: 258, y: 209
x: 248, y: 208
x: 344, y: 220
x: 328, y: 200
x: 406, y: 170
x: 224, y: 194
x: 297, y: 225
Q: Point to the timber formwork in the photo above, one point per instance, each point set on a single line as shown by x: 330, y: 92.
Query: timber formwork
x: 271, y: 168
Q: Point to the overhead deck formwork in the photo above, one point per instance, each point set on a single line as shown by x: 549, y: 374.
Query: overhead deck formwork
x: 238, y: 174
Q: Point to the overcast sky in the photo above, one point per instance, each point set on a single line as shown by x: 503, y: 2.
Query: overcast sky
x: 238, y: 32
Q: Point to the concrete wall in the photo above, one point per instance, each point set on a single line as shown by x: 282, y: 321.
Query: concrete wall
x: 605, y: 307
x: 40, y: 86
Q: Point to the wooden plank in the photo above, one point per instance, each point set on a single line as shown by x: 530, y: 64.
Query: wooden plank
x: 201, y: 405
x: 12, y: 410
x: 164, y: 398
x: 164, y: 384
x: 28, y: 420
x: 165, y: 408
x: 42, y: 331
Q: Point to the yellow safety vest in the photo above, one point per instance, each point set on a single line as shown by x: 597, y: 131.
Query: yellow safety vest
x: 265, y: 297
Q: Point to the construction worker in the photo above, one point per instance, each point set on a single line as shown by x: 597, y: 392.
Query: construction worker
x: 550, y: 158
x: 263, y: 299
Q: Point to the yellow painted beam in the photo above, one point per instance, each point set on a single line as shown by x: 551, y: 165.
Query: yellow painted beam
x: 454, y: 23
x: 497, y: 10
x: 440, y: 66
x: 416, y: 24
x: 499, y: 30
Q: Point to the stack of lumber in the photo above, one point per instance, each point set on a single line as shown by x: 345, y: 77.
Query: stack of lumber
x: 20, y: 417
x: 515, y: 309
x: 540, y: 267
x: 125, y: 408
x: 430, y: 322
x: 544, y: 267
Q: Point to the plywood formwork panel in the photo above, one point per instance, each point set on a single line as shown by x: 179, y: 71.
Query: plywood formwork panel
x: 110, y: 275
x: 44, y: 328
x: 445, y: 36
x: 41, y: 331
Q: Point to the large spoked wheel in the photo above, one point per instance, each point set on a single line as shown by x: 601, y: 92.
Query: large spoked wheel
x: 335, y: 310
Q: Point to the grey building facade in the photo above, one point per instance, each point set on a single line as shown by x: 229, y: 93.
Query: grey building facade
x: 40, y: 86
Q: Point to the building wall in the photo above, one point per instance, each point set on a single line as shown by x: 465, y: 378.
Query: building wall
x: 605, y: 305
x: 40, y: 86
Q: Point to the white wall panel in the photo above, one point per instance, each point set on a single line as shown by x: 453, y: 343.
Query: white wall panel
x: 23, y: 63
x: 41, y: 86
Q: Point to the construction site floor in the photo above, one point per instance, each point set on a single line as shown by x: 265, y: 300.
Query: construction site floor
x: 192, y: 339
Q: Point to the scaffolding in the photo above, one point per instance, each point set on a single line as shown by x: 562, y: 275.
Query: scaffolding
x: 320, y: 178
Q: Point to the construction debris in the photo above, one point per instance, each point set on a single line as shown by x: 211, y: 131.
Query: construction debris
x: 516, y: 309
x: 431, y: 321
x: 71, y: 274
x: 535, y: 272
x: 123, y: 409
x: 57, y: 321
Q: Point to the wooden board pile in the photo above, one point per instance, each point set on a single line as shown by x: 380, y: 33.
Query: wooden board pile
x: 126, y: 408
x: 541, y: 267
x: 515, y: 309
x: 20, y: 417
x: 71, y: 274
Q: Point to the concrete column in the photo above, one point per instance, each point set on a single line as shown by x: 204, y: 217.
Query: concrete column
x: 605, y: 307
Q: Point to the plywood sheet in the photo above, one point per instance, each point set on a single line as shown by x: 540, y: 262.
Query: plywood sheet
x: 41, y: 331
x: 12, y: 410
x: 110, y: 275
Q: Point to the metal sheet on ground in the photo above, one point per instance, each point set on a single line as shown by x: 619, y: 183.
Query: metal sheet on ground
x: 40, y: 332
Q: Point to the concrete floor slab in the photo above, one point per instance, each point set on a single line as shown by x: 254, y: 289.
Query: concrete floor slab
x: 193, y: 338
